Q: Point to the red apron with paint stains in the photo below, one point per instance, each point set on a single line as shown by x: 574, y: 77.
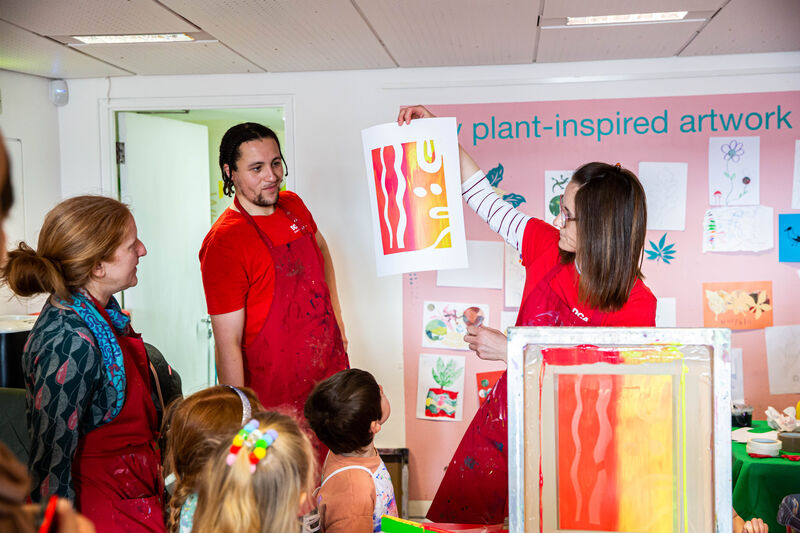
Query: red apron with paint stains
x: 300, y: 343
x: 117, y: 467
x: 475, y: 486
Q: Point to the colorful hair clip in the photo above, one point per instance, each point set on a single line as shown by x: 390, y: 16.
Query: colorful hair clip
x: 618, y: 166
x: 256, y: 441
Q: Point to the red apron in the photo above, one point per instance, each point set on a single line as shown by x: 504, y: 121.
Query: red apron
x: 117, y: 467
x: 475, y: 485
x: 300, y: 343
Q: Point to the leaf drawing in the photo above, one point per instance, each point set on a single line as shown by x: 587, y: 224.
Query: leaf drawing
x: 495, y: 176
x: 716, y: 302
x: 514, y: 199
x: 740, y: 302
x: 445, y: 374
x: 661, y: 251
x: 762, y: 304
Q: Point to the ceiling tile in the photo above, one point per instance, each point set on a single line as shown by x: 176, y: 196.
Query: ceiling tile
x: 750, y: 26
x: 585, y: 43
x: 289, y: 35
x: 421, y: 33
x: 172, y: 58
x: 23, y: 51
x: 583, y: 8
x: 92, y: 17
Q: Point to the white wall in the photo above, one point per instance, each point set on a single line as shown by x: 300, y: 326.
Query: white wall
x: 331, y: 108
x: 28, y: 115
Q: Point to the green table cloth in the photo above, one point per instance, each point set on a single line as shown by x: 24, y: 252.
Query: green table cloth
x: 759, y: 485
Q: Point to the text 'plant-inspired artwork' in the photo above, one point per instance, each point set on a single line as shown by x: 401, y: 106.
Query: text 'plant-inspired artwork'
x: 415, y: 193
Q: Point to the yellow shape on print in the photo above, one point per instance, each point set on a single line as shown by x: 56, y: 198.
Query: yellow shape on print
x: 220, y: 187
x: 644, y: 440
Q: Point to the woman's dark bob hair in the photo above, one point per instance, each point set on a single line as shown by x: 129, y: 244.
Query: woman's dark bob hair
x: 611, y: 218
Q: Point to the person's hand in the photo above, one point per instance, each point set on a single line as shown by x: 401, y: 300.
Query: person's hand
x: 755, y: 525
x: 71, y: 521
x: 488, y: 343
x: 407, y: 114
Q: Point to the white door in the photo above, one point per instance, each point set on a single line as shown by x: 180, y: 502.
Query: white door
x: 164, y: 179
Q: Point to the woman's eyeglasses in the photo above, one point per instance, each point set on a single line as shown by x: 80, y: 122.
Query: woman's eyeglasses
x: 565, y: 216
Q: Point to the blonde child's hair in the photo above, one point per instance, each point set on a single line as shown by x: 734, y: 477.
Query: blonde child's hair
x: 195, y: 427
x: 232, y: 499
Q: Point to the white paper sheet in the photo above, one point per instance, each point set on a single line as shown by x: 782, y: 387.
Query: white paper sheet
x: 507, y: 320
x: 738, y: 229
x: 485, y: 269
x: 555, y: 181
x: 665, y: 313
x: 444, y: 324
x: 514, y: 277
x: 743, y: 435
x: 783, y: 359
x: 737, y: 376
x: 665, y: 187
x: 441, y: 401
x: 418, y: 222
x: 733, y: 175
x: 796, y: 179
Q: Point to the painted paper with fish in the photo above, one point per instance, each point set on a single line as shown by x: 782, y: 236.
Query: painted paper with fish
x: 440, y: 387
x: 733, y: 171
x: 415, y: 193
x: 737, y: 305
x: 615, y: 472
x: 444, y: 324
x: 789, y: 238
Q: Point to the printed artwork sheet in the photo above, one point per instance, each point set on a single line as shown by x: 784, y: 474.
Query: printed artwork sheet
x: 783, y: 359
x: 514, y: 277
x: 665, y: 187
x: 415, y: 194
x: 738, y: 229
x: 789, y: 238
x: 444, y: 324
x: 440, y: 387
x: 485, y: 269
x: 737, y: 305
x: 733, y: 171
x: 555, y: 182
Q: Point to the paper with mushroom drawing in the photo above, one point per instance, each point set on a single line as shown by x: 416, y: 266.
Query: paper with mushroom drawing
x: 665, y: 187
x: 440, y: 387
x: 737, y: 305
x: 555, y: 182
x: 514, y: 274
x: 444, y: 324
x: 733, y: 177
x: 415, y: 195
x: 783, y: 359
x: 738, y: 229
x: 485, y: 269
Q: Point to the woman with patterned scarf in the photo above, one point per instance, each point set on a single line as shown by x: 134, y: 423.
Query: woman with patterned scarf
x: 92, y: 416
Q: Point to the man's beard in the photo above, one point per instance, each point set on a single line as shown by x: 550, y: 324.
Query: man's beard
x: 260, y: 201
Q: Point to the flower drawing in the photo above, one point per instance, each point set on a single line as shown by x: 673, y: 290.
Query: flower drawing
x: 732, y: 153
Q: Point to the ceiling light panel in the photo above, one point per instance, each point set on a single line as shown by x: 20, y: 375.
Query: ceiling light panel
x: 585, y: 8
x: 93, y: 17
x: 23, y: 51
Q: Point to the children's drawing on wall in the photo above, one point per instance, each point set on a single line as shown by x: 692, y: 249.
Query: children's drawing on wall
x: 737, y: 305
x: 514, y: 277
x: 737, y: 375
x: 733, y: 175
x: 495, y: 176
x: 661, y: 251
x: 789, y: 238
x: 444, y: 324
x: 738, y: 229
x: 415, y: 194
x: 783, y: 359
x: 665, y: 187
x: 440, y: 387
x: 796, y: 177
x: 555, y: 182
x: 486, y: 382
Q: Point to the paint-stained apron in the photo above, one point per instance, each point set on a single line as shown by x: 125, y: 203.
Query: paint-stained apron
x: 300, y: 343
x: 475, y: 485
x: 117, y: 467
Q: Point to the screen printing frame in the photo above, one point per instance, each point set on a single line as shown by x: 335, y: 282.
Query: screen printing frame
x: 716, y: 341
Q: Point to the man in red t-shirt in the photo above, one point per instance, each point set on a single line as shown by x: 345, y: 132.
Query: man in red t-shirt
x: 268, y: 279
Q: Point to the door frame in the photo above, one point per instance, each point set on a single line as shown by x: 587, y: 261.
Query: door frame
x: 108, y: 108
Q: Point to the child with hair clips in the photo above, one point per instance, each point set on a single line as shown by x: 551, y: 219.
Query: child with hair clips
x: 260, y: 481
x: 196, y: 426
x: 346, y: 411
